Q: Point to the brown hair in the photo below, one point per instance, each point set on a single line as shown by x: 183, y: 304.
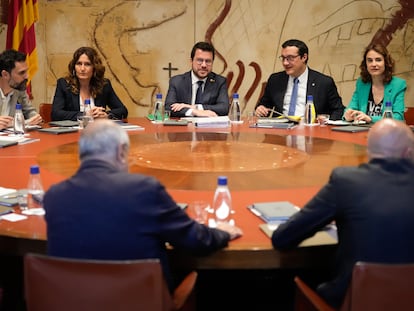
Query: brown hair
x: 97, y: 81
x: 388, y: 61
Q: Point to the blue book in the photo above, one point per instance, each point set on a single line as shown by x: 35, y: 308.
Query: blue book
x: 274, y: 211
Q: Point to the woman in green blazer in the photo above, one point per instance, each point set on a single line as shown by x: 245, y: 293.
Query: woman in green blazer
x: 375, y: 87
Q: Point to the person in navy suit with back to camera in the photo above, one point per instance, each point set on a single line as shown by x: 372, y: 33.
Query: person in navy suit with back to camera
x: 280, y: 87
x: 372, y: 206
x: 198, y: 92
x: 104, y: 212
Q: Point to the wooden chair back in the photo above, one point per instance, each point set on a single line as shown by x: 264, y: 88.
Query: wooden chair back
x: 70, y: 284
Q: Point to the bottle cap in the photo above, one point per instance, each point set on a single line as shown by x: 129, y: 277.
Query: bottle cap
x: 310, y: 98
x: 158, y: 96
x: 87, y: 101
x: 236, y: 96
x: 18, y: 106
x: 222, y: 180
x: 34, y: 169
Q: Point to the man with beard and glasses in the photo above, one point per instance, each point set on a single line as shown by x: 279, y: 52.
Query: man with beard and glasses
x: 13, y: 80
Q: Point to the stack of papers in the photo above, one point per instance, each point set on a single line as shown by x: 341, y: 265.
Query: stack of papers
x: 212, y: 122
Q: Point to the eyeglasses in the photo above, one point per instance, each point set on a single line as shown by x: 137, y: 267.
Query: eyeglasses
x: 200, y: 61
x: 289, y: 58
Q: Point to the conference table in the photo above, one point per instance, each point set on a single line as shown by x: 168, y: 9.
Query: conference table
x: 262, y: 165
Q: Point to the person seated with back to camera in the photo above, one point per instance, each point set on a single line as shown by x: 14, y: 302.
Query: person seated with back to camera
x: 371, y: 205
x: 116, y: 215
x: 198, y: 92
x: 85, y: 80
x: 375, y: 87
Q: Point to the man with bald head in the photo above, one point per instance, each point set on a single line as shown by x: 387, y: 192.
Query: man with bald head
x: 103, y: 212
x: 372, y: 206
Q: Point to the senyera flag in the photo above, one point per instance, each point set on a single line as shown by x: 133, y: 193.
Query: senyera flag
x: 22, y: 15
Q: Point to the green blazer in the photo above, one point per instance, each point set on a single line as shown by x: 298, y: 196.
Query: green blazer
x: 394, y: 91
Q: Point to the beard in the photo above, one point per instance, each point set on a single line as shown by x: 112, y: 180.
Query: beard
x: 19, y: 86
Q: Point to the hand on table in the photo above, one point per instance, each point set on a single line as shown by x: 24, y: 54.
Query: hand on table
x: 234, y: 231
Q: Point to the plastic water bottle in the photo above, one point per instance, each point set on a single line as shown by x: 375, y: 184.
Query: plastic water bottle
x: 234, y: 112
x: 158, y: 109
x: 310, y: 114
x: 34, y: 189
x: 388, y: 111
x: 18, y: 122
x: 87, y: 115
x: 222, y: 207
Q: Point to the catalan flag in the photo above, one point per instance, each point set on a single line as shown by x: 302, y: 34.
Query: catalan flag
x: 21, y: 32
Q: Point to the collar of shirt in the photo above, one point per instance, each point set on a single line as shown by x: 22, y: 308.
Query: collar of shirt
x: 4, y: 103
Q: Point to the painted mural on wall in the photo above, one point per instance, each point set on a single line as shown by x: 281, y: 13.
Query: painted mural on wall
x: 144, y: 42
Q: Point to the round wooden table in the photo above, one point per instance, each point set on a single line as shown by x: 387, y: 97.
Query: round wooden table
x: 261, y: 164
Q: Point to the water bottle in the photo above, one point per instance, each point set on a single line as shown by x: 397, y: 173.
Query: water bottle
x: 234, y: 112
x: 309, y: 111
x: 222, y: 208
x: 18, y: 122
x: 34, y: 189
x: 388, y: 111
x: 87, y: 112
x: 158, y: 109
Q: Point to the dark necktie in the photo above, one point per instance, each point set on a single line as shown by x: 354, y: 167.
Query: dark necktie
x: 294, y: 97
x: 199, y: 92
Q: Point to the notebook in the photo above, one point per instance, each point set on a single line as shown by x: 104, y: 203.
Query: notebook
x: 64, y: 123
x: 273, y: 211
x: 5, y: 210
x: 7, y: 143
x: 351, y: 128
x: 9, y: 199
x: 176, y: 122
x: 58, y: 130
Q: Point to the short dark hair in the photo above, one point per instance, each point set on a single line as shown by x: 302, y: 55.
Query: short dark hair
x: 388, y: 63
x: 303, y: 48
x: 204, y: 46
x: 9, y: 58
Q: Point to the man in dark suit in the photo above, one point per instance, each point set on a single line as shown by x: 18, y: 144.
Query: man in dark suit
x: 372, y: 206
x: 198, y: 92
x: 280, y: 86
x: 103, y: 212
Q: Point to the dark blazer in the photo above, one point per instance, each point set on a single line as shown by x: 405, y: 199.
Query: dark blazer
x: 215, y: 96
x: 66, y: 104
x: 322, y: 87
x: 372, y: 206
x: 104, y: 213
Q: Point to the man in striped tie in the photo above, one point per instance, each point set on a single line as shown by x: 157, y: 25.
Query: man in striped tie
x: 286, y: 91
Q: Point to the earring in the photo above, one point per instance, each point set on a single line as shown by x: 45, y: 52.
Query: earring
x: 74, y: 73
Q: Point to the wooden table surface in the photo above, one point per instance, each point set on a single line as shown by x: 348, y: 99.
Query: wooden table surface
x: 261, y: 164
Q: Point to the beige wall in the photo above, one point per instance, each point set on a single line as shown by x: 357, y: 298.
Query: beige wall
x: 137, y: 39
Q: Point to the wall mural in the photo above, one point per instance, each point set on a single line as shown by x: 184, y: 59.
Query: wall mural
x: 144, y: 42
